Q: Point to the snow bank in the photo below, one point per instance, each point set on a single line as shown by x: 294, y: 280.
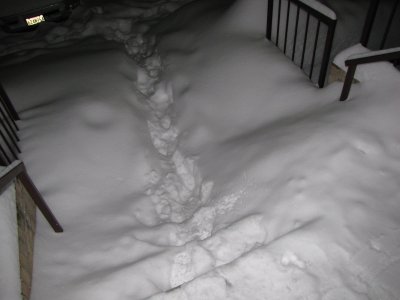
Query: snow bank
x: 9, y: 260
x: 326, y: 188
x: 373, y: 71
x: 204, y: 164
x: 231, y: 60
x: 248, y: 17
x: 260, y: 135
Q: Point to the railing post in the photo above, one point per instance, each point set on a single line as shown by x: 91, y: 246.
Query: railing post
x: 348, y: 81
x: 269, y: 18
x: 369, y: 22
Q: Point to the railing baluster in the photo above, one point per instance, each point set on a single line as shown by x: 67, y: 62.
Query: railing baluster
x: 269, y: 18
x: 7, y: 121
x: 279, y: 23
x: 9, y: 148
x: 14, y: 154
x: 9, y: 114
x: 2, y: 123
x: 327, y: 53
x: 389, y: 25
x: 290, y: 37
x: 305, y: 40
x: 3, y: 161
x: 295, y: 32
x: 287, y: 25
x: 369, y: 21
x: 8, y: 105
x: 315, y: 49
x: 6, y: 160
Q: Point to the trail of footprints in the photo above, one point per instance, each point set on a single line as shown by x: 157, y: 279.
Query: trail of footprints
x: 181, y: 195
x: 178, y: 190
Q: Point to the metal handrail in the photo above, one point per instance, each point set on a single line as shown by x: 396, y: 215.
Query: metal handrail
x: 17, y: 170
x: 370, y: 57
x: 320, y: 17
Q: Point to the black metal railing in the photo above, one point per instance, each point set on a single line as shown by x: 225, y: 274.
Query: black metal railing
x: 383, y: 32
x: 370, y: 57
x: 17, y: 170
x: 9, y: 148
x: 304, y: 34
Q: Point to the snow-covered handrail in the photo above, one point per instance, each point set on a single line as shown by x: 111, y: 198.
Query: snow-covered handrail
x: 323, y: 9
x: 373, y: 56
x: 17, y: 170
x: 364, y: 58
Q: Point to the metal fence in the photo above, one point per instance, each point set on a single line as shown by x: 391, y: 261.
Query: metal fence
x: 383, y: 32
x: 9, y: 148
x: 15, y: 169
x: 304, y: 34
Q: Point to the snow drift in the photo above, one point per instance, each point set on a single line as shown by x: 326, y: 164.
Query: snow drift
x: 197, y: 162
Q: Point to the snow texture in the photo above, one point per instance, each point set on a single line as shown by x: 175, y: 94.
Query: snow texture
x: 188, y: 158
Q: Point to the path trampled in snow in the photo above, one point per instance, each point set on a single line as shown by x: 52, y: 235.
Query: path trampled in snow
x: 179, y: 215
x: 180, y: 194
x: 196, y: 162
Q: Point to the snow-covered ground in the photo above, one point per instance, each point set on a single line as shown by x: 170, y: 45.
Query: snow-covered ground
x: 187, y: 158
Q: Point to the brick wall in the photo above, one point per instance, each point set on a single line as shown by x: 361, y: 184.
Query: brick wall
x: 26, y: 216
x: 336, y: 73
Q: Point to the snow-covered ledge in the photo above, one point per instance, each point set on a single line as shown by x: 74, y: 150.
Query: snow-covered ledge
x: 17, y: 232
x: 338, y: 69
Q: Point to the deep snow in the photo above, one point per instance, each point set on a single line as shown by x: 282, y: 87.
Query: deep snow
x: 196, y: 162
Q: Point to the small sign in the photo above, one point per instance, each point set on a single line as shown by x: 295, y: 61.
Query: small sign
x: 35, y: 20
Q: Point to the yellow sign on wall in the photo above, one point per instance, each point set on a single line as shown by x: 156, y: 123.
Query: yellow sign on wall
x: 35, y: 20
